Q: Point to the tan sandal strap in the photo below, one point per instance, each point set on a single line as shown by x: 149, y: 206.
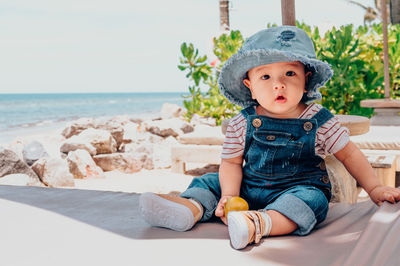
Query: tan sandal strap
x: 259, y: 225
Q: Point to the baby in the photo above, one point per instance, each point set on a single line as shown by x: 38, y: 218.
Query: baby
x: 274, y: 148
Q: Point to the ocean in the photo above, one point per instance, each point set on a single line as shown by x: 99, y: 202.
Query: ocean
x: 27, y: 111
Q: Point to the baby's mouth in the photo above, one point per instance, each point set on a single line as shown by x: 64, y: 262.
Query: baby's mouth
x: 280, y: 98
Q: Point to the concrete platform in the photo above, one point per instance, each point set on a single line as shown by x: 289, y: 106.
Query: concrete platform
x: 42, y: 226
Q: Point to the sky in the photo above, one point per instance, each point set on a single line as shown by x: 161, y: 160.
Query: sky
x: 49, y: 46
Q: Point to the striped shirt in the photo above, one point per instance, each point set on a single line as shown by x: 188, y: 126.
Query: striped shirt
x: 331, y: 137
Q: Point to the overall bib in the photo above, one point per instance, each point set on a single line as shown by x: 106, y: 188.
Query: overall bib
x: 281, y: 171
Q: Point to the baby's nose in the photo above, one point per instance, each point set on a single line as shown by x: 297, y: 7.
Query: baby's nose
x: 279, y: 85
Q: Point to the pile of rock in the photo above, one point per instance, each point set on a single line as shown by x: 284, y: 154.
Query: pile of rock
x: 88, y: 147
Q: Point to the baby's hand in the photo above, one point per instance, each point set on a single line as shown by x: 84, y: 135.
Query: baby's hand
x: 381, y: 194
x: 219, y: 211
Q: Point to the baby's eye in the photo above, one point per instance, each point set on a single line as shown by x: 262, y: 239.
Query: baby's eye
x: 290, y: 73
x: 264, y: 77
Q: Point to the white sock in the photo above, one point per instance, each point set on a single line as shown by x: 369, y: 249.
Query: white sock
x: 198, y: 205
x: 268, y: 223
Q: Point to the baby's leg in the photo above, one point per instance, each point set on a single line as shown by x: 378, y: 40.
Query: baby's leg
x: 296, y: 211
x: 305, y: 206
x: 207, y: 191
x: 280, y: 224
x: 181, y: 213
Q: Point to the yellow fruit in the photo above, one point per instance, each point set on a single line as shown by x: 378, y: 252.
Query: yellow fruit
x: 235, y: 204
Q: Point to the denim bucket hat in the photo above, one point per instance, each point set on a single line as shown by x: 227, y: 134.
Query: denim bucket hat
x: 273, y: 45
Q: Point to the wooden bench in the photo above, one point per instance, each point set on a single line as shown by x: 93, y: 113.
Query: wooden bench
x: 192, y: 153
x: 202, y: 146
x: 384, y: 167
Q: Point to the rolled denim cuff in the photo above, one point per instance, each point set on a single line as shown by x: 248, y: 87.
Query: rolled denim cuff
x: 205, y: 197
x: 296, y: 210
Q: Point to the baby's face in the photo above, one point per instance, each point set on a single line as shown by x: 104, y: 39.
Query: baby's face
x: 278, y: 88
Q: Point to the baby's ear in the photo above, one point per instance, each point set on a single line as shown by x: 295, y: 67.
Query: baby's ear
x: 247, y: 83
x: 308, y: 77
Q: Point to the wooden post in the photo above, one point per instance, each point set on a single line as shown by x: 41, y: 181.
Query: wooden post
x: 288, y: 12
x: 224, y: 15
x: 386, y: 110
x: 385, y: 49
x: 395, y: 11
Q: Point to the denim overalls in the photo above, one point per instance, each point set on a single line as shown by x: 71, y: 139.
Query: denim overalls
x: 281, y: 171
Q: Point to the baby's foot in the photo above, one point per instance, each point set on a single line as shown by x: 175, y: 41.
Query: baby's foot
x: 170, y: 211
x: 246, y: 227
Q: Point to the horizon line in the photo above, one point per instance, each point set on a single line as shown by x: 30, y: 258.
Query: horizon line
x: 103, y: 92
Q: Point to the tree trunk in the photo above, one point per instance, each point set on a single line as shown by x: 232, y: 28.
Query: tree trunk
x: 288, y: 12
x: 395, y: 11
x: 224, y: 15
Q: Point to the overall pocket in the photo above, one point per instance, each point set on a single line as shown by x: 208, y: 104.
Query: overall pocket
x: 274, y: 154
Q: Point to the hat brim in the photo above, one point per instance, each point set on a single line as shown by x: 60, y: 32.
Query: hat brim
x: 234, y: 71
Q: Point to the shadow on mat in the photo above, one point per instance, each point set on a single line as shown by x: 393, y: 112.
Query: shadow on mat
x: 117, y: 212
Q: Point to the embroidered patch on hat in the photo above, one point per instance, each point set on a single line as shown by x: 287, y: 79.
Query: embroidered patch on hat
x: 286, y: 37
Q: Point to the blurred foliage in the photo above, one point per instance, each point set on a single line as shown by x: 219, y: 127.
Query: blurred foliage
x: 356, y: 57
x: 355, y: 54
x: 211, y: 103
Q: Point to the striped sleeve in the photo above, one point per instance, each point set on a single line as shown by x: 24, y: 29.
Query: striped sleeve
x: 331, y: 138
x: 234, y: 137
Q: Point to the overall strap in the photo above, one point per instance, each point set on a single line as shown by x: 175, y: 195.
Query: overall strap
x: 247, y: 112
x: 251, y: 110
x: 323, y: 116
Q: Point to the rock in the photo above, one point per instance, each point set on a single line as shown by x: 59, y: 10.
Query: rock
x: 162, y: 156
x: 169, y: 110
x: 132, y: 133
x: 33, y: 152
x: 144, y: 147
x: 199, y: 120
x: 151, y: 138
x: 146, y: 159
x: 16, y: 180
x: 203, y: 135
x: 95, y: 141
x: 54, y: 172
x: 125, y: 162
x: 161, y: 128
x: 81, y: 165
x: 121, y: 119
x: 16, y: 146
x: 77, y: 126
x: 170, y: 141
x: 75, y: 143
x: 100, y: 139
x: 166, y: 127
x: 142, y: 151
x: 148, y: 164
x: 114, y: 127
x: 10, y: 163
x: 187, y: 128
x: 136, y: 120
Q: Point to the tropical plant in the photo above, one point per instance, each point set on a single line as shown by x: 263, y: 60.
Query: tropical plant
x: 353, y: 79
x: 211, y: 103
